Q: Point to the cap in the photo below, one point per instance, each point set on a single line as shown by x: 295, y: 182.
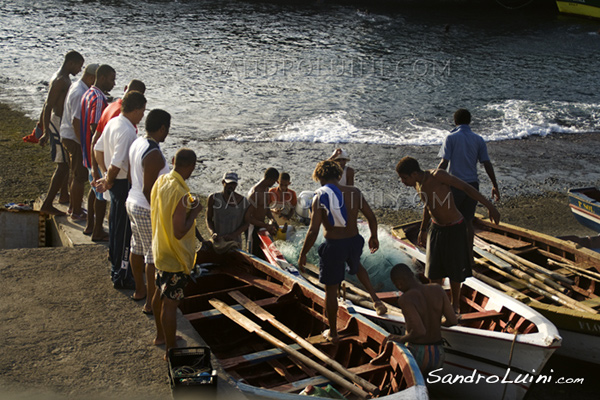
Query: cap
x: 343, y: 155
x: 91, y: 69
x: 230, y: 177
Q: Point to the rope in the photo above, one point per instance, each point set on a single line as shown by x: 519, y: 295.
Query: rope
x: 512, y: 348
x: 514, y: 7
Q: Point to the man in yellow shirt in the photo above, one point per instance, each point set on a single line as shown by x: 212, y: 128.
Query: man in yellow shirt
x: 173, y: 215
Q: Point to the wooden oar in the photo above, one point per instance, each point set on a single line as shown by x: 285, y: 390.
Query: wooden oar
x: 266, y: 316
x: 506, y: 255
x: 252, y: 327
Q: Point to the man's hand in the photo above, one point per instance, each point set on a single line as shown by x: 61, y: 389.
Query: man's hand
x: 422, y: 239
x: 43, y: 139
x: 494, y: 215
x: 373, y: 244
x: 301, y: 262
x: 102, y: 185
x: 495, y: 194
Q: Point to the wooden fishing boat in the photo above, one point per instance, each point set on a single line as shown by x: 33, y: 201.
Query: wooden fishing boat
x: 498, y: 337
x: 243, y: 306
x: 556, y: 277
x: 585, y: 206
x: 583, y: 8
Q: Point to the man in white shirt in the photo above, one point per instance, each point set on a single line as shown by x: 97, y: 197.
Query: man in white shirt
x: 71, y: 141
x: 112, y: 154
x: 146, y: 164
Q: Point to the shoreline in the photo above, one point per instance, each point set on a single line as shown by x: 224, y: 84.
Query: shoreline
x: 533, y: 173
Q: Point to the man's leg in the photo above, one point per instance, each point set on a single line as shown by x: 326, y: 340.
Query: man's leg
x: 157, y: 304
x: 89, y: 226
x: 58, y: 178
x: 331, y: 309
x: 470, y: 238
x: 168, y: 319
x: 64, y: 197
x: 137, y: 268
x: 99, y: 213
x: 363, y: 277
x: 150, y: 287
x: 455, y: 296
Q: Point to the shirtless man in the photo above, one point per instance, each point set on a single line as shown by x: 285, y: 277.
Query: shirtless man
x: 448, y: 229
x: 258, y: 209
x: 50, y: 122
x: 423, y: 307
x: 336, y: 207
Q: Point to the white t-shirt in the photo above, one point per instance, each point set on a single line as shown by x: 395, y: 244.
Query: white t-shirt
x: 115, y: 142
x: 72, y: 109
x: 140, y: 148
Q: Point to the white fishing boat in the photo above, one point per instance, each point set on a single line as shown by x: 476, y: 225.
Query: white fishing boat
x: 497, y: 351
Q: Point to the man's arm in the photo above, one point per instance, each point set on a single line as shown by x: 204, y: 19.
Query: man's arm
x: 422, y: 238
x: 57, y: 88
x: 450, y: 180
x: 100, y: 161
x: 152, y: 164
x: 210, y: 215
x: 182, y: 219
x: 415, y: 328
x: 106, y: 183
x: 250, y: 217
x: 489, y: 169
x: 312, y: 233
x: 448, y: 313
x: 349, y: 176
x: 77, y: 128
x: 365, y: 208
x: 443, y: 164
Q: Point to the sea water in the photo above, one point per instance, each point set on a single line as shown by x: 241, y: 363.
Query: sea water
x: 378, y: 264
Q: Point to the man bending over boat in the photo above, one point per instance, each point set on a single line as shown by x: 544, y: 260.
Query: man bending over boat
x: 447, y: 241
x: 336, y: 207
x: 423, y: 307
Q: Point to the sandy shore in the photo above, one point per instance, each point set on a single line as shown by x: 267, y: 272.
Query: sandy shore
x: 68, y: 334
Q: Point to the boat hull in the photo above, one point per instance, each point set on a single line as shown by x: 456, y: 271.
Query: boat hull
x: 471, y: 351
x: 258, y: 366
x: 584, y: 8
x: 585, y: 206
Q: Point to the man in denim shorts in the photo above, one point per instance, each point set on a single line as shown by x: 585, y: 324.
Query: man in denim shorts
x: 173, y: 216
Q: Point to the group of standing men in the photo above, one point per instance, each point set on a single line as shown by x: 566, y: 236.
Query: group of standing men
x: 152, y: 216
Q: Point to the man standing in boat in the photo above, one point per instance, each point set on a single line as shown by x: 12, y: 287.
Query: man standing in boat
x: 461, y: 151
x: 448, y: 254
x: 336, y: 207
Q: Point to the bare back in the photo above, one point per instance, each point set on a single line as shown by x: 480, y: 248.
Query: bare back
x: 59, y: 87
x: 423, y: 308
x: 354, y: 202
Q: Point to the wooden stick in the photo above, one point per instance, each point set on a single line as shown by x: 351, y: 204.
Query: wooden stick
x: 250, y: 326
x: 506, y: 255
x: 266, y: 316
x: 552, y: 296
x: 576, y: 270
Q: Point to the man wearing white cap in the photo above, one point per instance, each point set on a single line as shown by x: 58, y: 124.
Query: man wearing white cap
x: 341, y: 157
x: 225, y: 211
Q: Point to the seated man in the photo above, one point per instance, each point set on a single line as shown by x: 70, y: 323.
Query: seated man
x: 283, y: 199
x: 225, y: 212
x: 423, y: 307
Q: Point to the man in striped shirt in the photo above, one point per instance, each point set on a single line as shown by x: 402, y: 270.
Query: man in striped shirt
x: 94, y: 101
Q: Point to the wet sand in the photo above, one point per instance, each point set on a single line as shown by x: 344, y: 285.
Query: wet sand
x: 68, y: 334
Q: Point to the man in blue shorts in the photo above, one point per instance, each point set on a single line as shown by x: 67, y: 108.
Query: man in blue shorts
x: 336, y: 207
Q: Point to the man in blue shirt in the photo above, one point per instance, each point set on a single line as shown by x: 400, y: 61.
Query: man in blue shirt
x: 460, y: 152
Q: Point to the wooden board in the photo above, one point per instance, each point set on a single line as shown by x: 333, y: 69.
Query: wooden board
x: 502, y: 240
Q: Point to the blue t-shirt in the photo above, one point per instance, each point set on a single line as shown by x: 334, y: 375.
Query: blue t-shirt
x: 463, y: 149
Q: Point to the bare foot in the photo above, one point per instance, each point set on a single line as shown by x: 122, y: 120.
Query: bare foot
x: 52, y: 210
x: 103, y: 237
x: 161, y: 341
x: 327, y: 335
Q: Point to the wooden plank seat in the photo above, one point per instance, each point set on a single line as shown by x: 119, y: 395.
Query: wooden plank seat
x: 197, y: 316
x: 502, y: 240
x: 472, y: 316
x: 320, y: 380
